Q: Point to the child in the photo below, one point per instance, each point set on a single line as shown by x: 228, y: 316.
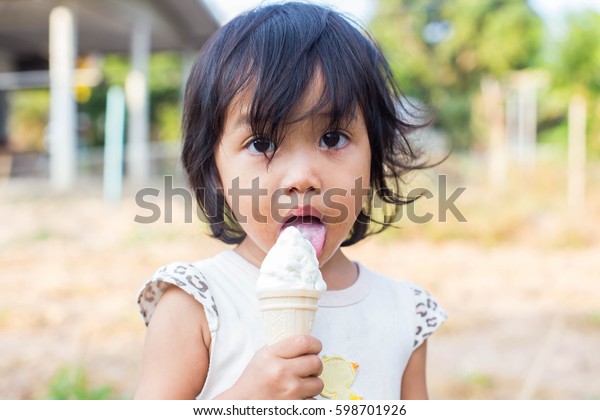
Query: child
x: 291, y: 117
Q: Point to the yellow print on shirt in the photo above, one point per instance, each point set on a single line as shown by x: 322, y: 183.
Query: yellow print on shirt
x: 337, y: 376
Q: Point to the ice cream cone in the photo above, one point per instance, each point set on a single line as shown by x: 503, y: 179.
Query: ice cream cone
x: 287, y: 311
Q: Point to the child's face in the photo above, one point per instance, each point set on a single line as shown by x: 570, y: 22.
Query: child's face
x: 315, y: 172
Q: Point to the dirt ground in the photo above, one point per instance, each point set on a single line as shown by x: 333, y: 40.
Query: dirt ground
x: 524, y: 319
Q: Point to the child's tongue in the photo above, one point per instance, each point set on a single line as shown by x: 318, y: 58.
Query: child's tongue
x: 312, y: 229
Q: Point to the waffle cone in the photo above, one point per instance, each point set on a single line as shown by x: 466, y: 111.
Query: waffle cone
x: 287, y: 312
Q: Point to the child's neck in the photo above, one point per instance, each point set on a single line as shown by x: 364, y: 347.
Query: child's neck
x: 339, y: 272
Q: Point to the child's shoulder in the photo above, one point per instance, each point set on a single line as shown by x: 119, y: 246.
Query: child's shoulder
x: 190, y: 277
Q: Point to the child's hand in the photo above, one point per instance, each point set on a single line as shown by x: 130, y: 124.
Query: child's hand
x: 288, y: 369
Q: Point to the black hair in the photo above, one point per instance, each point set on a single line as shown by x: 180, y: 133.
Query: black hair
x: 273, y: 53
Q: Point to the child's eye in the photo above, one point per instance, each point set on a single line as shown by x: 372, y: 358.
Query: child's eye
x: 260, y: 146
x: 333, y: 140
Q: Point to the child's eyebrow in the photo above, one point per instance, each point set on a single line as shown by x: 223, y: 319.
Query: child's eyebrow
x: 242, y: 120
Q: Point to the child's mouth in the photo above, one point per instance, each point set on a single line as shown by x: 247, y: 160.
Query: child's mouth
x: 311, y: 228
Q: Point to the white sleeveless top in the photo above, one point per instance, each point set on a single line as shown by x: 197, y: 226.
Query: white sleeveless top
x: 368, y: 330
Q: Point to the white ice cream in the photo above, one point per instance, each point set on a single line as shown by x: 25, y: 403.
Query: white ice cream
x: 291, y: 264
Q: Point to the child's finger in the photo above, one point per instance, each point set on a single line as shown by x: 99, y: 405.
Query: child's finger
x: 311, y: 386
x: 296, y: 345
x: 305, y: 366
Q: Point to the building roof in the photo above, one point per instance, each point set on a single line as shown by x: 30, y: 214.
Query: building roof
x: 105, y: 25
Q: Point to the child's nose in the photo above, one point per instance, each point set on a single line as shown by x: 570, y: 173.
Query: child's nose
x: 302, y: 174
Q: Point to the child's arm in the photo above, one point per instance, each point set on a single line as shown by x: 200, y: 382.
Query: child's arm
x: 175, y: 361
x: 414, y: 385
x: 176, y: 358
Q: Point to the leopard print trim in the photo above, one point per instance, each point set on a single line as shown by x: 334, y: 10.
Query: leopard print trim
x: 185, y: 276
x: 429, y: 315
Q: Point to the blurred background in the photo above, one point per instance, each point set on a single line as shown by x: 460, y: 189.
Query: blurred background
x: 90, y: 107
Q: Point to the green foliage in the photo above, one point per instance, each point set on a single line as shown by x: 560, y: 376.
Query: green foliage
x: 91, y: 133
x: 440, y: 50
x: 578, y: 59
x: 164, y: 83
x: 72, y: 384
x: 168, y: 121
x: 574, y: 63
x: 115, y: 68
x: 491, y: 37
x: 165, y: 72
x: 555, y: 135
x: 29, y: 110
x: 165, y: 96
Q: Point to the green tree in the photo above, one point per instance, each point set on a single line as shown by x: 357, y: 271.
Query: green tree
x: 440, y: 50
x: 573, y: 59
x: 577, y: 62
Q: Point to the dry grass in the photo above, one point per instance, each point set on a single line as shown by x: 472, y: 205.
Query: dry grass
x: 520, y: 280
